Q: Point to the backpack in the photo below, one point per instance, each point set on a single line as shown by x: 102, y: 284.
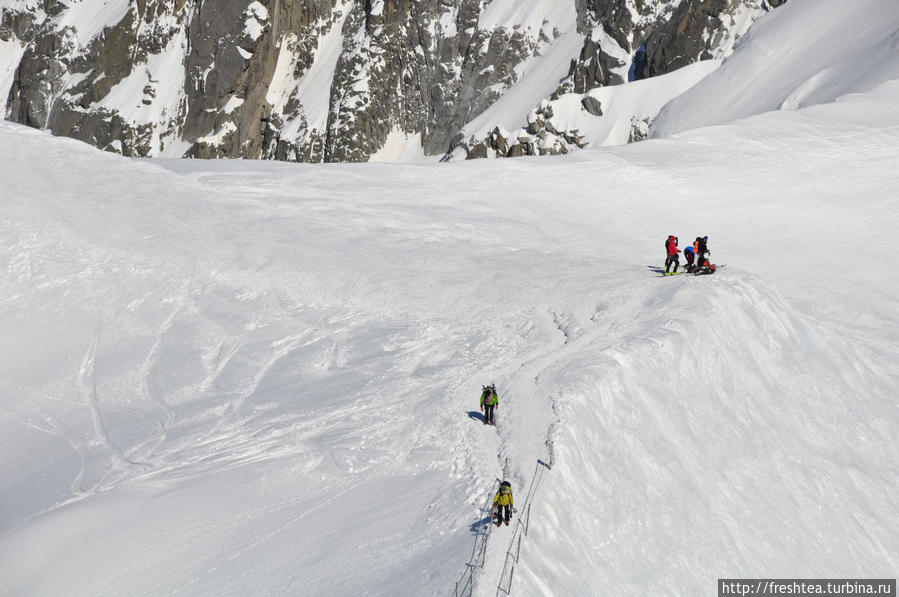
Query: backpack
x: 703, y: 244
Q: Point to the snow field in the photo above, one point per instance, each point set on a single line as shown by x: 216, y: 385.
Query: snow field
x: 231, y: 378
x: 266, y: 375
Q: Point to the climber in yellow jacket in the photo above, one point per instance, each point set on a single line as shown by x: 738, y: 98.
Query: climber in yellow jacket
x: 502, y: 503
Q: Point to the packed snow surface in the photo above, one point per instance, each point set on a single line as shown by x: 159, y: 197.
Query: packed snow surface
x: 237, y: 377
x: 254, y: 378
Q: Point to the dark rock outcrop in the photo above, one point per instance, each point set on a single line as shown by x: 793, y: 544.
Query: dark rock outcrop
x: 592, y: 105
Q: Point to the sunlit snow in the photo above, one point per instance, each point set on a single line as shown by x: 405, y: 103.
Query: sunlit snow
x: 257, y: 378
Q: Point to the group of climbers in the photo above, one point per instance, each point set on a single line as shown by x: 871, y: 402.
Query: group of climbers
x: 695, y: 255
x: 502, y: 501
x: 696, y: 263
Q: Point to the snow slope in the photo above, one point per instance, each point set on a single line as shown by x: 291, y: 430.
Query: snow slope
x: 806, y: 52
x: 314, y: 86
x: 244, y: 377
x: 627, y: 109
x: 538, y: 76
x: 233, y: 378
x: 11, y: 54
x: 88, y: 19
x: 624, y: 105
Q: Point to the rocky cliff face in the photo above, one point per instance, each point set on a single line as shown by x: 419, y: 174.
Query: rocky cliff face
x: 624, y: 40
x: 330, y: 80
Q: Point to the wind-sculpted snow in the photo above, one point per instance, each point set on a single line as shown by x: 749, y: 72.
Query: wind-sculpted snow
x: 804, y: 54
x: 245, y: 377
x: 716, y: 435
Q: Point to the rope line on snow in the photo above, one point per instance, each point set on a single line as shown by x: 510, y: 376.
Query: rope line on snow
x: 465, y: 585
x: 504, y: 587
